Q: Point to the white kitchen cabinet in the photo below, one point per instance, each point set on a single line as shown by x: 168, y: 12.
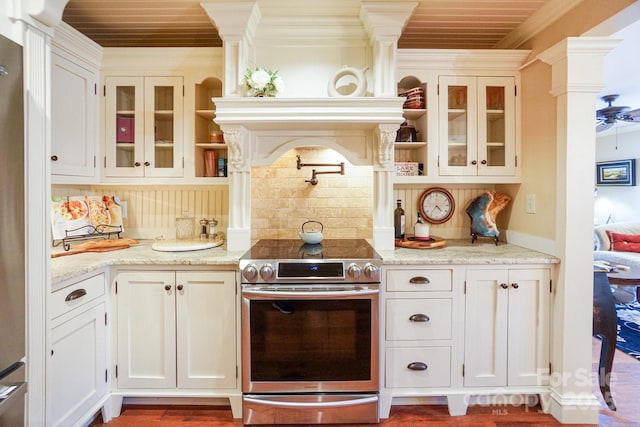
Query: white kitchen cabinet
x: 144, y: 126
x: 507, y: 327
x: 421, y: 339
x: 477, y: 126
x: 176, y: 329
x: 74, y: 124
x: 77, y: 367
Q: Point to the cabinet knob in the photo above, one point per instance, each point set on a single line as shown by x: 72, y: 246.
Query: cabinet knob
x: 484, y: 162
x: 167, y: 287
x: 54, y: 158
x: 147, y: 164
x: 515, y: 285
x: 180, y: 287
x: 504, y: 285
x: 419, y: 317
x: 474, y: 162
x: 417, y: 366
x: 136, y: 164
x: 419, y: 280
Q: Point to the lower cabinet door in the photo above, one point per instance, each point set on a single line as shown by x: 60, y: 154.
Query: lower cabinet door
x: 146, y: 329
x: 206, y: 329
x: 507, y: 327
x: 77, y: 366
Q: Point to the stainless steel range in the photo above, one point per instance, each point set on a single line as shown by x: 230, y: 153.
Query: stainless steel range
x: 310, y: 332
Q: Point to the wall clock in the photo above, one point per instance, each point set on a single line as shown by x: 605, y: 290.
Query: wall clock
x: 436, y: 205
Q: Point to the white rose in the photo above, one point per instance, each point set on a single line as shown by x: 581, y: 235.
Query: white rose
x: 259, y: 79
x: 279, y: 84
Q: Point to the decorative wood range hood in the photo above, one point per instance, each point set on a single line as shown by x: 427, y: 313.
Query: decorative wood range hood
x: 309, y: 44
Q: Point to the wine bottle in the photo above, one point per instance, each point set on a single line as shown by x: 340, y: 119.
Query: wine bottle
x: 398, y: 221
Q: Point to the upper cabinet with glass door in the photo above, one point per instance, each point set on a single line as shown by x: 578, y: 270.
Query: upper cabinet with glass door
x: 144, y: 127
x: 477, y: 126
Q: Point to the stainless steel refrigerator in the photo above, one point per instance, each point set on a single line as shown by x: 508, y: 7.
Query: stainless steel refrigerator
x: 12, y: 226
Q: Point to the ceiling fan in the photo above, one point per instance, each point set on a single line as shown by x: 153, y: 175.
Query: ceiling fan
x: 608, y: 116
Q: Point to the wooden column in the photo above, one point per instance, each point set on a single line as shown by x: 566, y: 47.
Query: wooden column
x: 577, y: 77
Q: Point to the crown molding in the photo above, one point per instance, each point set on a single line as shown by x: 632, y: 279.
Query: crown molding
x: 548, y: 13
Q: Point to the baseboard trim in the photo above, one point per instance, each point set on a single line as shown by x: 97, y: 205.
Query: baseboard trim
x: 575, y: 409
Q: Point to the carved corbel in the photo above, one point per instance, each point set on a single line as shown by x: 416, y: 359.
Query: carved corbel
x: 237, y: 139
x: 386, y: 136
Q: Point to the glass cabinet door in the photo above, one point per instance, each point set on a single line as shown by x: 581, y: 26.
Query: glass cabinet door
x: 457, y: 105
x: 496, y: 125
x: 143, y: 126
x: 124, y: 132
x: 163, y: 121
x: 477, y: 126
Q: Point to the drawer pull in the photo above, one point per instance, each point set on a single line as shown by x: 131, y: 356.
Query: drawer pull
x: 515, y: 285
x: 180, y: 287
x: 167, y: 287
x: 78, y: 293
x: 504, y: 285
x: 419, y: 280
x: 417, y: 366
x: 419, y: 317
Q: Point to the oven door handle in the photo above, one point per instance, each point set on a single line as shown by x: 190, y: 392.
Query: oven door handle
x: 330, y: 404
x: 263, y: 293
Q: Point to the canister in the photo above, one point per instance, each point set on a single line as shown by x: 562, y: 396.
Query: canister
x: 185, y: 226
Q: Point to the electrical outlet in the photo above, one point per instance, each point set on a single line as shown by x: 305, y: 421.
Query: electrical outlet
x: 531, y: 204
x: 123, y: 207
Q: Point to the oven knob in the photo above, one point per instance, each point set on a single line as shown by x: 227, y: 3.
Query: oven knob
x: 250, y: 272
x: 354, y: 271
x: 266, y: 272
x: 372, y: 272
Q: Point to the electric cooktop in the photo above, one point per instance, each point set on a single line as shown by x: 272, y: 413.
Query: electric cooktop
x: 328, y: 249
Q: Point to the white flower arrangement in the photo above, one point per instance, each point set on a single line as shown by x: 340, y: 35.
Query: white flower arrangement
x: 262, y: 82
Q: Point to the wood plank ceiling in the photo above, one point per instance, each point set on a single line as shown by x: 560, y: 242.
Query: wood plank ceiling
x: 464, y: 24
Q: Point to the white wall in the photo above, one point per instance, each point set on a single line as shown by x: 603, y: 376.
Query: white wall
x: 618, y: 203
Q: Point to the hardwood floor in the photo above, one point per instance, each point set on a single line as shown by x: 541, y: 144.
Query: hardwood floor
x: 625, y: 381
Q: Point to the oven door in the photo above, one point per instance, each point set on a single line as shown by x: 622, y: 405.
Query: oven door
x: 308, y: 341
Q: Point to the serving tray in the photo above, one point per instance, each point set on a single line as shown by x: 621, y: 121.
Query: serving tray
x: 412, y: 243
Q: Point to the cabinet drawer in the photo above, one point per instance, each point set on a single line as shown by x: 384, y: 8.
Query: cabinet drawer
x: 418, y: 280
x: 418, y: 319
x: 431, y: 367
x: 66, y: 299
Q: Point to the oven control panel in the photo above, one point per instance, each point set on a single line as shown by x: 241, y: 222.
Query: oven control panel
x: 351, y: 271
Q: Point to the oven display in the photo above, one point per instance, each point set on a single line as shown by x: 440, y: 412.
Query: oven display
x: 328, y: 270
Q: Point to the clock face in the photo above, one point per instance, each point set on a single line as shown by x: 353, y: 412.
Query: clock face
x: 436, y: 205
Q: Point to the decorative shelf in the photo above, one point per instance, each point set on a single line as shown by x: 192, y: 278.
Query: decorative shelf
x: 212, y: 145
x: 206, y: 114
x: 409, y: 145
x: 413, y: 113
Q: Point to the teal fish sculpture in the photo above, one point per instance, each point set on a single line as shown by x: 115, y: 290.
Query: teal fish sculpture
x: 483, y: 211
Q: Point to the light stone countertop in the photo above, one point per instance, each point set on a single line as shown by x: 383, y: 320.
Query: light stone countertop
x: 460, y: 252
x: 463, y: 252
x: 70, y: 266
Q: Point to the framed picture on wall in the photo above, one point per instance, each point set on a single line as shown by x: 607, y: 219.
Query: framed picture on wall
x: 618, y: 172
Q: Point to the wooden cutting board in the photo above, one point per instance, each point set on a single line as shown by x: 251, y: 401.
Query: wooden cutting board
x: 410, y: 243
x: 98, y: 246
